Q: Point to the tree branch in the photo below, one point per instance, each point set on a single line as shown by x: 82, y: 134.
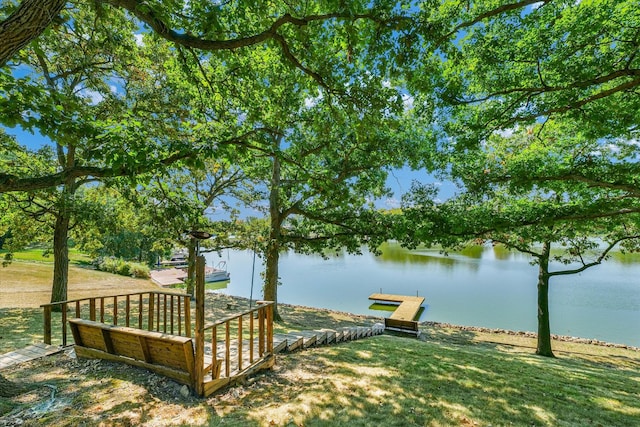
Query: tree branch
x: 489, y: 14
x: 598, y: 261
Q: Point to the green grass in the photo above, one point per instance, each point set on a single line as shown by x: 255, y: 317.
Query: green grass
x: 20, y: 327
x: 448, y: 377
x: 395, y: 381
x: 452, y: 378
x: 40, y: 255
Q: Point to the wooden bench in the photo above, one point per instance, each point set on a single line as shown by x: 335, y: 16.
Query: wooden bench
x: 169, y: 355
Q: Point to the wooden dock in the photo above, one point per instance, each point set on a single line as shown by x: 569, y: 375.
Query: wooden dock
x: 168, y: 277
x: 402, y: 319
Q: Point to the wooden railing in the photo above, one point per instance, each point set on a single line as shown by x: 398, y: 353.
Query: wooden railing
x: 245, y: 341
x: 154, y: 311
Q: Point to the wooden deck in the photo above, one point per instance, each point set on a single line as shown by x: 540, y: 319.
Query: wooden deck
x: 31, y: 352
x: 168, y: 276
x: 402, y: 319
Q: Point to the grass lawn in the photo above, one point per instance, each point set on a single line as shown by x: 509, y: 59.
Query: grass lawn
x: 38, y: 255
x: 448, y: 377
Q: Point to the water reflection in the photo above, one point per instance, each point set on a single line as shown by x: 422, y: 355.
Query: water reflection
x: 502, y: 253
x: 394, y: 253
x: 628, y: 259
x: 484, y: 286
x: 385, y: 310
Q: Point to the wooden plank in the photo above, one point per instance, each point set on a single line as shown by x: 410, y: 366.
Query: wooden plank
x: 144, y: 348
x: 47, y: 324
x: 77, y: 338
x: 108, y: 343
x: 408, y: 308
x: 212, y: 386
x: 166, y: 350
x: 331, y: 335
x: 198, y: 376
x: 405, y: 326
x: 402, y: 319
x: 187, y: 350
x: 179, y: 376
x: 321, y: 337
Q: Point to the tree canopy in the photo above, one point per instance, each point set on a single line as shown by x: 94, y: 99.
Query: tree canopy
x: 509, y: 63
x: 507, y: 199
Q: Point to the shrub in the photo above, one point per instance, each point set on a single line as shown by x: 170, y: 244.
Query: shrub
x: 122, y: 267
x: 140, y: 271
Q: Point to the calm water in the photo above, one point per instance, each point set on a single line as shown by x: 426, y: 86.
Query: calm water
x: 481, y: 287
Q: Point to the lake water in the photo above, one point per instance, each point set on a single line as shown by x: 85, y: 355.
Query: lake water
x: 486, y: 287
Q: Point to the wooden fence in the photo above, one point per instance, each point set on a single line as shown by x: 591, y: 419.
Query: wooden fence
x: 239, y: 345
x: 165, y: 312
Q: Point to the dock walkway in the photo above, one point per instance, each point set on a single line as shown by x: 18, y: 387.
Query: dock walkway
x: 168, y: 277
x: 402, y: 319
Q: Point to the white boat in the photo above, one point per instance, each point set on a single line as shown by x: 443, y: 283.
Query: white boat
x: 217, y: 274
x: 178, y: 260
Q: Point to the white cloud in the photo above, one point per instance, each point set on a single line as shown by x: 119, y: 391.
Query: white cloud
x: 312, y: 102
x: 392, y: 203
x: 613, y: 148
x: 407, y: 101
x: 93, y: 96
x: 505, y: 133
x: 139, y: 39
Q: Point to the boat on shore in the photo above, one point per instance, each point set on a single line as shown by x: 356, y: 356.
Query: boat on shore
x: 177, y: 260
x: 218, y: 273
x: 174, y: 271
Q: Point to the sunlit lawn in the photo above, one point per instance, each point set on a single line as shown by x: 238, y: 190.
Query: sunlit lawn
x: 452, y: 380
x: 397, y: 381
x: 448, y: 377
x: 40, y: 255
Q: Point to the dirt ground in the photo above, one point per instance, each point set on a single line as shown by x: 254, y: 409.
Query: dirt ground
x: 83, y: 283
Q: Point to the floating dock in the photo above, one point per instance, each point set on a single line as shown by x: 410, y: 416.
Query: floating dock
x: 402, y: 319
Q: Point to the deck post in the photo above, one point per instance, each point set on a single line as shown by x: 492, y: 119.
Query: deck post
x: 199, y: 338
x: 47, y: 324
x: 187, y: 316
x: 152, y: 298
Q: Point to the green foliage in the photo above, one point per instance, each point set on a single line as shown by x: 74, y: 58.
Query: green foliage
x: 122, y: 267
x: 558, y: 59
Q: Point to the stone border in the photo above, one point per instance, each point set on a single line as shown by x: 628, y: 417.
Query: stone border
x: 564, y: 338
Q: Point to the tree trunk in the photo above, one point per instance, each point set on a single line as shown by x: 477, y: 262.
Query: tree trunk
x: 9, y: 389
x: 60, y: 258
x: 272, y: 259
x: 273, y: 245
x: 26, y: 23
x: 544, y: 329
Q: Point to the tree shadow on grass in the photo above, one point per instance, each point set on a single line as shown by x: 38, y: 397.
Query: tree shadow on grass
x: 418, y: 383
x: 384, y: 380
x: 19, y: 327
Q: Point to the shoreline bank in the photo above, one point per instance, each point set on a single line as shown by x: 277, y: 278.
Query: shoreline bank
x: 524, y: 334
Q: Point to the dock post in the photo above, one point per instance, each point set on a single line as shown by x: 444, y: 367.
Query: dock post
x: 199, y: 338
